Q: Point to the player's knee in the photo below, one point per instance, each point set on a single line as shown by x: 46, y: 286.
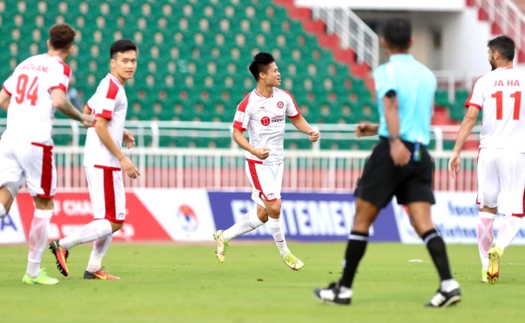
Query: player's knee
x: 44, y: 203
x: 274, y: 210
x: 116, y: 226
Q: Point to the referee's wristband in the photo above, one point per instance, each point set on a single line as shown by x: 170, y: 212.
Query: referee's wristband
x: 393, y: 137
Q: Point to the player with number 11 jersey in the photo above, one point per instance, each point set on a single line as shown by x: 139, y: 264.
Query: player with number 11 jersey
x: 501, y: 163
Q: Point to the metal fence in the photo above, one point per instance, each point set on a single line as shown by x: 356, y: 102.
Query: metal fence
x: 317, y: 171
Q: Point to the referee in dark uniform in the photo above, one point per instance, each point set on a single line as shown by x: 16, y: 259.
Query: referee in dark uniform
x: 399, y: 165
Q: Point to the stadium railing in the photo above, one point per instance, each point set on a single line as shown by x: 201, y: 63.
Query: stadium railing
x: 453, y: 81
x: 224, y: 169
x: 305, y: 170
x: 150, y: 133
x: 353, y: 32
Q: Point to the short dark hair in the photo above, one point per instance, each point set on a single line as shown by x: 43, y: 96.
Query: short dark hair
x: 61, y: 36
x: 260, y: 64
x: 121, y: 46
x: 398, y: 33
x: 504, y: 45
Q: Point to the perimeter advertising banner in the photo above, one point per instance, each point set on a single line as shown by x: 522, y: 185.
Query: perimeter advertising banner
x: 455, y: 215
x: 305, y: 216
x: 193, y: 215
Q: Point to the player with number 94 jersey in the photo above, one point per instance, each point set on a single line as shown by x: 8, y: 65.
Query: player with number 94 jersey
x: 37, y: 86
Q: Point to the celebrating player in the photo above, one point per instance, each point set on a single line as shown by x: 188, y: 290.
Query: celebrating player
x: 263, y: 113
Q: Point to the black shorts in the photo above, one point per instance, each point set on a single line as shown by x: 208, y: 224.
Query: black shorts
x: 381, y: 179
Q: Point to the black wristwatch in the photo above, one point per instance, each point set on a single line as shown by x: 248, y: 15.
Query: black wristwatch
x: 393, y: 137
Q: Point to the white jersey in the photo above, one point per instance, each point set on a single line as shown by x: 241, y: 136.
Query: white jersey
x: 265, y: 120
x: 108, y: 102
x: 498, y: 95
x: 30, y: 112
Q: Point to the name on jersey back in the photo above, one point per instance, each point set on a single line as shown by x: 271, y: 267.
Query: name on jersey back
x: 32, y: 67
x: 509, y: 83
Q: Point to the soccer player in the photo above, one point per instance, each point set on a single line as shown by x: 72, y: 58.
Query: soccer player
x: 498, y: 95
x: 37, y: 86
x: 263, y: 113
x: 399, y: 165
x: 104, y: 162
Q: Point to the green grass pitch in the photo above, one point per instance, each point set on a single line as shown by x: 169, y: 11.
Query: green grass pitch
x: 173, y: 283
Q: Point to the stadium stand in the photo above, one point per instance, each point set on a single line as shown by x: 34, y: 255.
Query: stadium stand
x: 194, y: 56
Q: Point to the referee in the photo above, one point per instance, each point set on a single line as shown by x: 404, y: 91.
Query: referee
x: 399, y: 166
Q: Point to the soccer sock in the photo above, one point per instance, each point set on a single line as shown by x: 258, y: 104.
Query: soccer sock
x: 91, y: 231
x: 508, y: 230
x: 355, y: 251
x: 2, y: 211
x: 38, y: 240
x: 249, y: 222
x: 438, y: 252
x: 100, y: 246
x: 278, y: 235
x: 485, y: 237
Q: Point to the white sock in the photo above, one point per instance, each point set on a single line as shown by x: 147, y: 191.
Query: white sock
x: 508, y: 230
x: 485, y: 237
x: 449, y: 285
x: 2, y: 211
x: 278, y: 235
x: 249, y: 222
x: 90, y: 232
x: 100, y: 246
x: 38, y: 240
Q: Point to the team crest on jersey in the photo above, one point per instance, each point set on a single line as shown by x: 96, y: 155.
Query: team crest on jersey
x: 280, y: 104
x: 265, y: 121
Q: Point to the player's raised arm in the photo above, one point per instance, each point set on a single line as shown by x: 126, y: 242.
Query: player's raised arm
x: 238, y: 137
x: 302, y: 125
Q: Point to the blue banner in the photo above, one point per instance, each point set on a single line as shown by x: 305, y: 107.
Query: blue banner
x: 304, y: 216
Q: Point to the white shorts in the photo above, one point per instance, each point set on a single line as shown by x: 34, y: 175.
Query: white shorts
x: 501, y: 180
x: 266, y: 180
x: 106, y: 190
x: 31, y: 163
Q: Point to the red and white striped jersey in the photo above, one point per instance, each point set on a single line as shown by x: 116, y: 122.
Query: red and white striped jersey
x: 30, y: 113
x: 265, y: 120
x: 108, y: 102
x: 498, y: 95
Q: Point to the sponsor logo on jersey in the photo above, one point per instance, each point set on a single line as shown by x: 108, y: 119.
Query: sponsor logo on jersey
x: 277, y: 119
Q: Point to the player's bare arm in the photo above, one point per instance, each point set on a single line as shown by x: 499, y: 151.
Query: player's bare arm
x: 101, y: 128
x: 128, y: 139
x: 87, y: 110
x: 4, y: 100
x: 468, y: 123
x: 400, y: 154
x: 238, y: 137
x: 366, y: 129
x: 302, y: 125
x: 62, y: 103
